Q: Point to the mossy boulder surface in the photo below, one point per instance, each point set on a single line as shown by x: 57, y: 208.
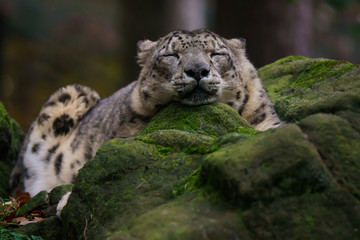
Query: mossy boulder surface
x: 10, y: 141
x: 201, y: 172
x: 339, y: 145
x: 129, y: 177
x: 267, y: 167
x: 200, y: 120
x: 301, y: 86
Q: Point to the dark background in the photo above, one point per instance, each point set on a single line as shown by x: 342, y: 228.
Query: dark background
x: 47, y: 44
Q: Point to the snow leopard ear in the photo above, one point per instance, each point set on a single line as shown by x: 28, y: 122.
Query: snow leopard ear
x: 237, y: 46
x: 145, y: 48
x: 238, y: 42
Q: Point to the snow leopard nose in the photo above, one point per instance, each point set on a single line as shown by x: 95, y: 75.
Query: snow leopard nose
x: 197, y: 72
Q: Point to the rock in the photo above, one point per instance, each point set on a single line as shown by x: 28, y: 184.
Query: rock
x: 200, y: 120
x: 128, y: 177
x: 278, y: 164
x: 339, y: 145
x: 190, y: 216
x: 331, y: 214
x: 10, y: 141
x: 301, y: 86
x: 39, y: 202
x: 58, y: 192
x: 203, y: 173
x: 50, y: 228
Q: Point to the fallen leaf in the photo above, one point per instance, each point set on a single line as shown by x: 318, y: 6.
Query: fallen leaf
x: 12, y: 214
x: 23, y: 220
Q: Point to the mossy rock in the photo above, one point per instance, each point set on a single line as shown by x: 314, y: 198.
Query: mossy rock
x: 331, y: 214
x: 50, y: 228
x: 202, y: 173
x: 129, y: 177
x: 338, y: 143
x: 190, y: 216
x: 269, y: 166
x: 38, y: 202
x: 10, y: 141
x: 58, y: 192
x: 301, y: 86
x: 217, y: 120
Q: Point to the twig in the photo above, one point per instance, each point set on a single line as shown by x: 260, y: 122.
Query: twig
x: 140, y: 185
x: 85, y: 229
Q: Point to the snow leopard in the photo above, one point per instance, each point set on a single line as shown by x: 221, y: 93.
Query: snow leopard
x: 192, y: 67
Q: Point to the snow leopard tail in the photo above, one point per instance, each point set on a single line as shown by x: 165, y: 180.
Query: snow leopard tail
x: 57, y: 119
x: 64, y: 109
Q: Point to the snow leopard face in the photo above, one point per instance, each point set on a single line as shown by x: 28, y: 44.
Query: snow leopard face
x: 192, y: 67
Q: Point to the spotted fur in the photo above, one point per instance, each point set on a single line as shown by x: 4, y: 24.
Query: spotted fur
x: 194, y: 68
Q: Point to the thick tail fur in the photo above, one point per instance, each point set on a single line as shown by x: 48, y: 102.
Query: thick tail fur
x: 64, y: 109
x: 58, y: 117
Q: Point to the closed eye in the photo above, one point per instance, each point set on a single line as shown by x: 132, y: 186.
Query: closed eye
x: 218, y: 54
x: 172, y: 55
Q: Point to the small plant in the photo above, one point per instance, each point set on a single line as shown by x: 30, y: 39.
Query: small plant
x: 6, y: 210
x: 8, y: 235
x: 13, y: 210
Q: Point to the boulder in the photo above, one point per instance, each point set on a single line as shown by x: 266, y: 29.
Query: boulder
x: 10, y: 141
x: 300, y: 86
x: 203, y: 173
x: 129, y: 177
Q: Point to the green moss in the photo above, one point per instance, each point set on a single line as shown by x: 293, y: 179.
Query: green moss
x: 127, y: 194
x: 189, y: 183
x: 339, y: 145
x: 307, y: 221
x: 202, y: 173
x: 126, y: 177
x: 39, y: 201
x: 58, y: 192
x: 235, y: 170
x: 10, y: 136
x: 316, y: 72
x: 186, y: 217
x: 286, y: 59
x: 351, y: 117
x: 295, y: 85
x: 49, y: 228
x: 10, y: 141
x: 342, y: 102
x: 311, y: 216
x: 164, y: 150
x: 246, y: 131
x: 213, y: 120
x: 202, y: 149
x: 145, y: 176
x: 145, y: 139
x: 170, y: 141
x: 5, y: 171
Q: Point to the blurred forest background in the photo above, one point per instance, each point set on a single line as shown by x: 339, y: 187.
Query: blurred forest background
x: 48, y: 44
